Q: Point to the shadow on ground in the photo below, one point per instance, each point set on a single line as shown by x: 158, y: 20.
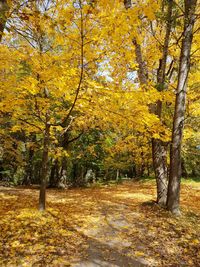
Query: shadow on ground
x: 101, y: 255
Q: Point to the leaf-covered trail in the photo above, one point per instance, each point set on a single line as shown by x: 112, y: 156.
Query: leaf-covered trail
x: 107, y: 246
x: 111, y: 226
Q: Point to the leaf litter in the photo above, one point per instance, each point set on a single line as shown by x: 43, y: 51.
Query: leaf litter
x: 107, y: 226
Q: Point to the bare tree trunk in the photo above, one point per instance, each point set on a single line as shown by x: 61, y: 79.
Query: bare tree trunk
x: 158, y: 148
x: 117, y: 175
x: 3, y: 16
x: 160, y: 168
x: 173, y: 199
x: 54, y: 174
x: 29, y: 168
x: 42, y: 197
x: 183, y: 168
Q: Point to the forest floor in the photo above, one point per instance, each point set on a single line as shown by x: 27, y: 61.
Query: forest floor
x: 115, y: 225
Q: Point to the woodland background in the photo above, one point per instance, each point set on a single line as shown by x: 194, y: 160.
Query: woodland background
x: 90, y: 89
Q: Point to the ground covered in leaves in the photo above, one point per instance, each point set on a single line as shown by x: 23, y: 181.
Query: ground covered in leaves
x: 115, y: 225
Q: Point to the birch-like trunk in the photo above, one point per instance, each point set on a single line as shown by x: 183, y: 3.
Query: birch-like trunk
x: 179, y: 112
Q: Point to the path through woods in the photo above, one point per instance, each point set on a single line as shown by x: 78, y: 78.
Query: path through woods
x: 116, y: 225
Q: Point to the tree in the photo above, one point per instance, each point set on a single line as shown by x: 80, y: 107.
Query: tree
x: 37, y: 105
x: 49, y: 101
x: 71, y: 84
x: 158, y: 146
x: 180, y: 105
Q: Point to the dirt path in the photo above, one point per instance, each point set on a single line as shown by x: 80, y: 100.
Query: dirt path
x: 106, y: 256
x: 106, y: 245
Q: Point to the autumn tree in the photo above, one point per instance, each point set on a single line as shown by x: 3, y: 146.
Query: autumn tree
x: 159, y: 148
x: 34, y: 31
x: 93, y: 84
x: 180, y: 105
x: 58, y: 53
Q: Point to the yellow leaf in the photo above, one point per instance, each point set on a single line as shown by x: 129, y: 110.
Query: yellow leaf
x: 139, y: 253
x: 195, y: 242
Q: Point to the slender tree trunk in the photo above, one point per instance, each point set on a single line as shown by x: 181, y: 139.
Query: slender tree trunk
x: 148, y: 170
x: 63, y: 173
x: 42, y: 197
x: 117, y: 175
x: 29, y: 168
x: 54, y: 174
x: 142, y: 165
x: 3, y: 16
x: 179, y: 112
x: 183, y: 168
x: 158, y: 148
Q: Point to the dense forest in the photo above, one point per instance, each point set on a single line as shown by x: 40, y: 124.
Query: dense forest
x: 99, y: 87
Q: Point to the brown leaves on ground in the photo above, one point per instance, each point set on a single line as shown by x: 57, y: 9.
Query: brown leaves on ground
x: 120, y: 221
x: 31, y: 238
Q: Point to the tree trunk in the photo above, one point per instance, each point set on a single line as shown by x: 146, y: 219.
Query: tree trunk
x: 148, y: 170
x: 29, y: 168
x: 3, y: 16
x: 158, y: 149
x: 183, y: 168
x: 117, y: 175
x: 42, y: 197
x: 63, y: 175
x: 54, y: 175
x: 160, y: 169
x: 179, y: 112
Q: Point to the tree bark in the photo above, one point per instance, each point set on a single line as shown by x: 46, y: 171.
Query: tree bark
x: 157, y: 155
x: 29, y: 168
x: 183, y: 168
x: 173, y: 199
x: 158, y: 148
x: 3, y: 16
x: 42, y: 197
x: 160, y: 168
x: 54, y: 174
